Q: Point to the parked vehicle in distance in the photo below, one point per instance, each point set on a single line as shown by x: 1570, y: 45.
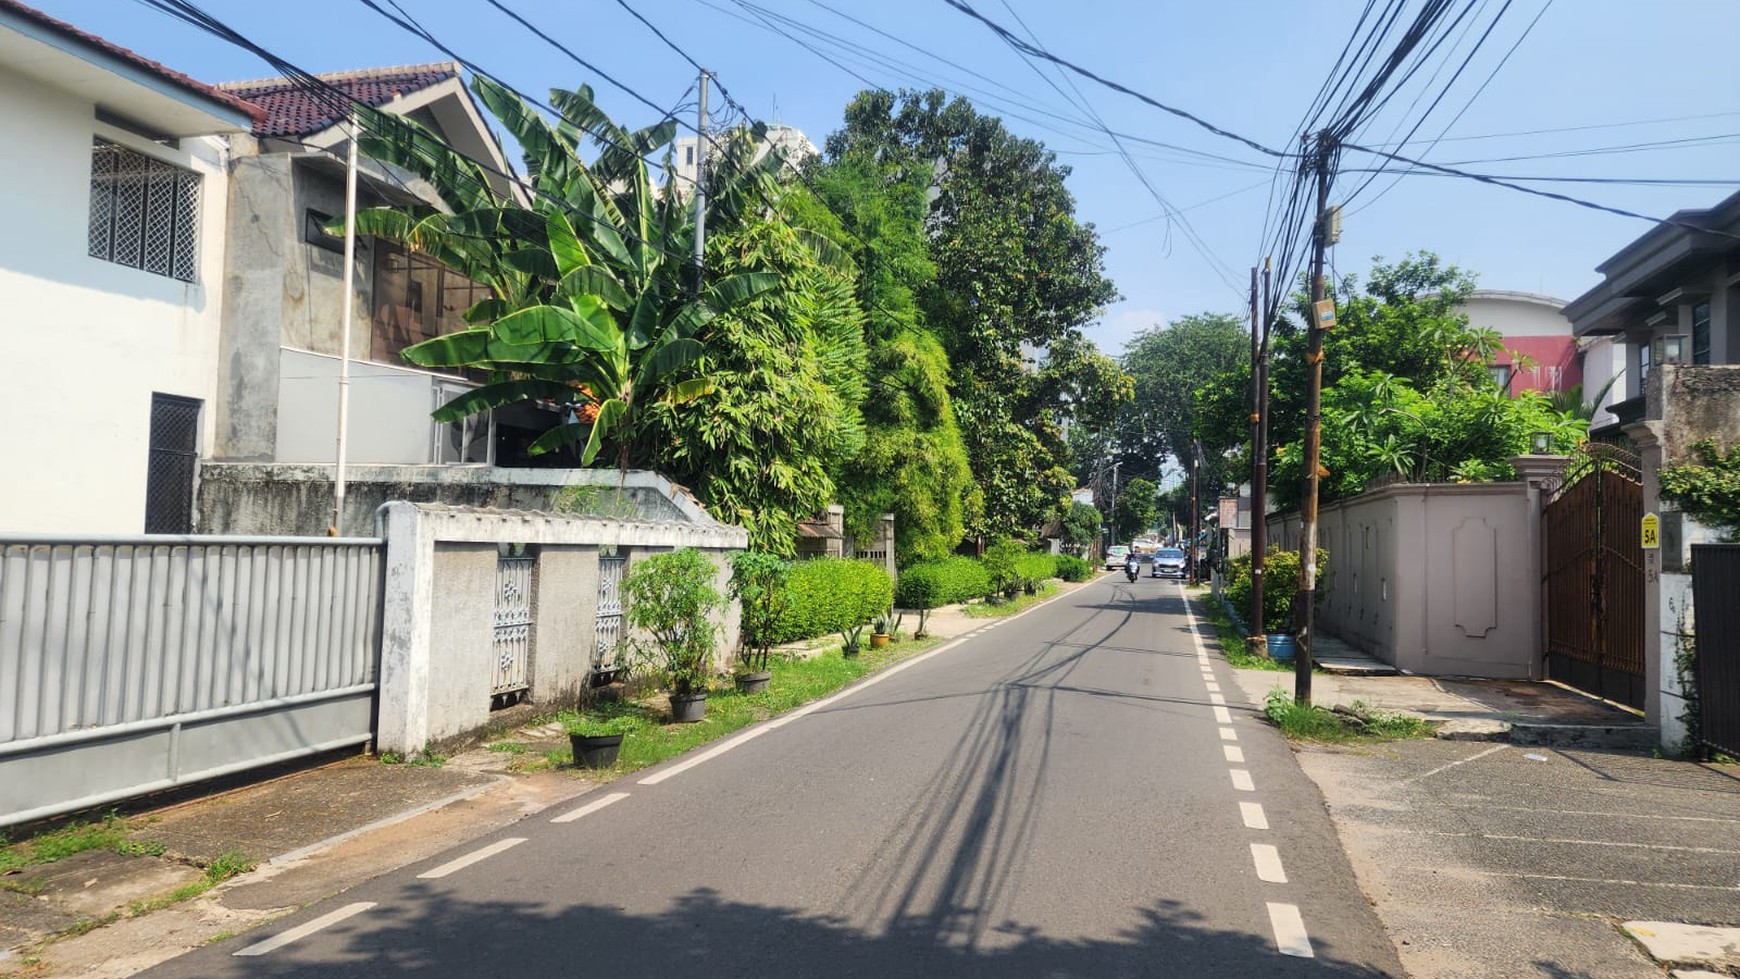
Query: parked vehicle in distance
x: 1168, y: 563
x: 1145, y: 545
x: 1115, y: 556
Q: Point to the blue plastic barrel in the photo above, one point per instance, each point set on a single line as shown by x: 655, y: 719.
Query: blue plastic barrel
x: 1282, y: 646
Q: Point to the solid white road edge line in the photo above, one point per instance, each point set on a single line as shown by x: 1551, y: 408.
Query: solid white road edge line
x: 1241, y: 780
x: 1290, y: 937
x: 1233, y: 753
x: 1253, y: 815
x: 454, y: 866
x: 284, y: 938
x: 590, y: 807
x: 1268, y: 861
x: 786, y: 718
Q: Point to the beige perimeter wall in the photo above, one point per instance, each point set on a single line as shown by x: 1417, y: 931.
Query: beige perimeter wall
x: 1438, y: 579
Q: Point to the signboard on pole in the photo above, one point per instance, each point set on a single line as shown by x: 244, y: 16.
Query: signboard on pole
x: 1651, y: 532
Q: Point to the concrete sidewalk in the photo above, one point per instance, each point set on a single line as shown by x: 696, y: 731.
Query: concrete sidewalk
x: 1529, y: 856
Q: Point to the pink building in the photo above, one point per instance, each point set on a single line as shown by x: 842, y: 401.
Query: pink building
x: 1539, y: 354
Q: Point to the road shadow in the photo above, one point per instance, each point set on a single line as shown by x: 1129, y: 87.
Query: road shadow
x: 431, y: 932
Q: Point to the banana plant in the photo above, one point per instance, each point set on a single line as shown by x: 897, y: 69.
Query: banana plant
x: 593, y: 303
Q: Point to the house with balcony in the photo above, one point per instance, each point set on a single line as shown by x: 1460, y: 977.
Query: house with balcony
x: 114, y: 264
x: 1668, y: 304
x: 1672, y: 295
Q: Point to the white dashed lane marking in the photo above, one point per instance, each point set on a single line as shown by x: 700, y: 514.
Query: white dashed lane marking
x: 1223, y: 715
x: 1241, y: 780
x: 1268, y: 861
x: 1228, y: 734
x: 1290, y: 937
x: 1233, y: 753
x: 284, y: 938
x: 454, y: 866
x: 1253, y: 815
x: 590, y: 807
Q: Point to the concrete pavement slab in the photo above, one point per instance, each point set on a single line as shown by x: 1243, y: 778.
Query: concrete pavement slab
x: 1672, y: 943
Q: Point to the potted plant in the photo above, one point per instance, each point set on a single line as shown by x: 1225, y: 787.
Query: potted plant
x: 881, y: 631
x: 758, y: 582
x: 671, y: 599
x: 597, y: 740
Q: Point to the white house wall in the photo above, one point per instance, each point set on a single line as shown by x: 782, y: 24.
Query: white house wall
x: 88, y: 341
x: 389, y: 411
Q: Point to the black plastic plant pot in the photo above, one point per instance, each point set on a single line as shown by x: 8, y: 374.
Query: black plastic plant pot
x: 688, y: 708
x: 753, y: 682
x: 595, y: 751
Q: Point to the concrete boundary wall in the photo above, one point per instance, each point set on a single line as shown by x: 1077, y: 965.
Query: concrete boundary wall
x: 439, y: 602
x: 1439, y: 579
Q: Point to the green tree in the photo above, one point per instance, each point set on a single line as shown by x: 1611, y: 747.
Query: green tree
x: 1407, y: 394
x: 1169, y: 365
x: 1137, y: 509
x: 1013, y: 267
x: 914, y: 462
x: 594, y: 305
x: 786, y: 377
x: 1081, y: 527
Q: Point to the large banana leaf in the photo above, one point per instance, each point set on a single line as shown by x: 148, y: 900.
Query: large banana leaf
x: 482, y: 348
x: 565, y: 247
x: 596, y: 280
x: 498, y: 393
x: 585, y: 323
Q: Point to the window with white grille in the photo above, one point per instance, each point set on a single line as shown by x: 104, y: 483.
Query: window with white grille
x: 144, y: 212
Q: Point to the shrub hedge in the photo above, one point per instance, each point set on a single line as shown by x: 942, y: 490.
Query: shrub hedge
x: 946, y: 582
x: 1280, y: 585
x: 1071, y: 568
x: 832, y: 595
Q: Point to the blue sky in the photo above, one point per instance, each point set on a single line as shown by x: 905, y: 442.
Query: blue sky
x: 1250, y: 66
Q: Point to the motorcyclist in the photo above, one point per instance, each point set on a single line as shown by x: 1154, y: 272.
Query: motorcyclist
x: 1130, y: 567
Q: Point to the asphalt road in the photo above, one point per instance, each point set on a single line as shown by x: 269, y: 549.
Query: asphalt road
x: 1058, y: 794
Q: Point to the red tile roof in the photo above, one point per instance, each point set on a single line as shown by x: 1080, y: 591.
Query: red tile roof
x: 137, y: 60
x: 291, y: 109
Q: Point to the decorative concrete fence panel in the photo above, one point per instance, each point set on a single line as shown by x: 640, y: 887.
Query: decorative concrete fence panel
x: 1434, y: 578
x: 451, y: 616
x: 133, y: 664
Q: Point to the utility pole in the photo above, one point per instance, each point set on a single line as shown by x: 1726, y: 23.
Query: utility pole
x: 700, y: 183
x: 349, y: 286
x: 1321, y: 158
x: 1195, y: 507
x: 1260, y: 463
x: 1259, y: 472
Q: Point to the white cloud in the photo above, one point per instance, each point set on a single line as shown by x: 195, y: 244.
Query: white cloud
x: 1117, y: 328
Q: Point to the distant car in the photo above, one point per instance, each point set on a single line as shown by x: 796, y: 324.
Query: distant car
x: 1116, y: 555
x: 1168, y: 563
x: 1145, y: 545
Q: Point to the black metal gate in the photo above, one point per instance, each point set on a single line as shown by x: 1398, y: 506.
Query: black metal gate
x: 1592, y: 588
x: 1715, y: 586
x: 174, y: 456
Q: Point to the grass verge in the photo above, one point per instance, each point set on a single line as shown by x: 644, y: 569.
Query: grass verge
x: 1232, y: 643
x: 795, y: 683
x: 109, y: 833
x: 1341, y: 725
x: 985, y: 610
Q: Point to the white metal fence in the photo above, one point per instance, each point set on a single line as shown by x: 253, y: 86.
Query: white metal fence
x: 132, y: 664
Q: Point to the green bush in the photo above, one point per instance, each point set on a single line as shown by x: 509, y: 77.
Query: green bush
x: 758, y: 582
x: 1002, y: 562
x: 1280, y: 585
x: 1035, y: 568
x: 1071, y: 568
x: 832, y: 595
x: 946, y: 582
x: 671, y: 597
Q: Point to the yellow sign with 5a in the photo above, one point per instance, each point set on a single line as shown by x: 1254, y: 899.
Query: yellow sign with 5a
x: 1651, y: 532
